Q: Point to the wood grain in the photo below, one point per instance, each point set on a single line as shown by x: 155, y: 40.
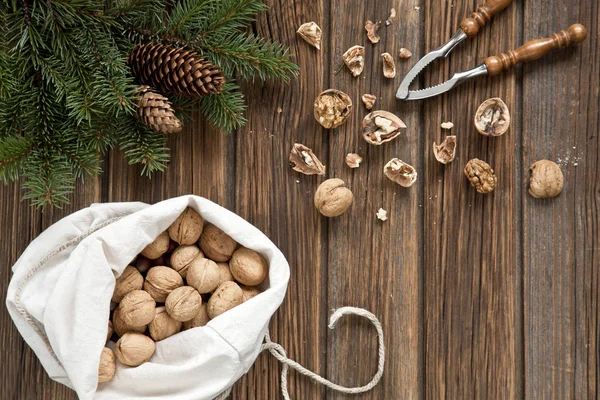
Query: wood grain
x: 482, y: 297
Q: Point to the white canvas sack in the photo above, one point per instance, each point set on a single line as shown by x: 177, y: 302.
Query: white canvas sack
x: 59, y: 299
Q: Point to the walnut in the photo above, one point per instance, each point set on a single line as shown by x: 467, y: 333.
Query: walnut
x: 121, y: 327
x: 389, y: 67
x: 216, y: 244
x: 353, y: 160
x: 481, y: 175
x: 249, y: 292
x: 109, y: 332
x: 354, y: 58
x: 371, y: 29
x: 546, y: 179
x: 447, y: 125
x: 302, y: 159
x: 446, y: 151
x: 183, y: 303
x: 137, y: 308
x: 129, y: 280
x: 227, y: 296
x: 133, y: 349
x: 400, y: 172
x: 183, y: 256
x: 224, y: 273
x: 107, y: 367
x: 248, y: 267
x: 332, y: 108
x: 492, y: 117
x: 368, y: 100
x: 392, y: 17
x: 333, y: 198
x: 143, y: 264
x: 405, y: 53
x: 187, y: 227
x: 161, y: 281
x: 381, y: 214
x: 381, y: 126
x: 200, y: 319
x: 158, y: 247
x: 163, y: 325
x: 311, y: 33
x: 203, y: 275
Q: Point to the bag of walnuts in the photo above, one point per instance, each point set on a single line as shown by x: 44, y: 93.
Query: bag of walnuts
x: 131, y: 301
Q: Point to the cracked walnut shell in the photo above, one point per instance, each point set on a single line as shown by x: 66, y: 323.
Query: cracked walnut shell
x: 137, y: 308
x: 187, y: 227
x: 389, y: 67
x: 227, y: 296
x: 203, y: 275
x: 546, y: 179
x: 216, y: 244
x: 163, y: 325
x: 133, y: 349
x: 157, y: 248
x: 371, y: 29
x: 183, y: 303
x: 354, y: 58
x: 161, y: 281
x: 333, y: 198
x: 107, y: 367
x: 305, y: 161
x: 446, y: 151
x: 381, y: 126
x: 248, y: 267
x: 368, y: 100
x: 353, y: 160
x: 492, y: 117
x: 481, y: 175
x: 400, y: 172
x: 311, y: 33
x: 130, y: 280
x: 332, y: 108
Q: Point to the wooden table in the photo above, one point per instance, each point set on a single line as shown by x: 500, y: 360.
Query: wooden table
x: 483, y: 297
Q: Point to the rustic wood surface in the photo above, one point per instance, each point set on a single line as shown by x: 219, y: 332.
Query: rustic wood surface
x: 480, y: 296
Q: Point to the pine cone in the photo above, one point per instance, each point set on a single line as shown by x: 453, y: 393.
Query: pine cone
x: 155, y: 111
x: 174, y: 70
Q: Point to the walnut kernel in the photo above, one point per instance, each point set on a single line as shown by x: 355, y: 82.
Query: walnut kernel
x: 333, y: 198
x: 332, y: 108
x: 311, y: 33
x: 163, y: 325
x: 546, y: 179
x: 481, y: 175
x: 133, y: 349
x: 389, y: 66
x: 446, y: 151
x: 305, y: 161
x: 492, y: 117
x: 368, y: 100
x: 227, y: 296
x: 157, y: 248
x: 354, y: 58
x: 137, y: 308
x: 161, y: 281
x: 405, y: 53
x: 371, y: 29
x: 353, y: 160
x: 107, y: 367
x: 400, y: 172
x: 183, y: 303
x: 187, y: 227
x: 381, y: 126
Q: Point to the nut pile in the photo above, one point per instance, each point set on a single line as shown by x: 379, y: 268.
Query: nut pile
x: 188, y: 275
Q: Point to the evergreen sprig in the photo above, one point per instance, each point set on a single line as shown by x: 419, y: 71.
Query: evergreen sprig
x: 67, y: 95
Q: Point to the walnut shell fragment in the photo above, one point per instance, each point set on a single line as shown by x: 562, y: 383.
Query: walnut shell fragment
x: 389, y: 67
x: 481, y: 175
x: 391, y: 18
x: 353, y: 160
x: 311, y: 33
x: 405, y: 53
x: 381, y: 126
x: 400, y: 172
x: 492, y: 117
x: 332, y: 108
x: 447, y: 125
x: 368, y: 100
x: 446, y: 151
x: 381, y: 214
x: 371, y: 29
x: 354, y: 58
x: 546, y: 179
x: 303, y: 160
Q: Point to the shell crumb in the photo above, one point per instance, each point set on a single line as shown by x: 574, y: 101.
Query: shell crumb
x: 382, y: 214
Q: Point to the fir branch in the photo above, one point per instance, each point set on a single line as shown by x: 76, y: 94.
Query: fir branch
x: 225, y: 18
x: 48, y: 179
x: 225, y: 110
x: 13, y: 151
x: 141, y: 145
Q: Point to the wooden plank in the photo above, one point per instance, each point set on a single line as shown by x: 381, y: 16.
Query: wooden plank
x: 374, y: 264
x: 561, y: 239
x: 472, y: 318
x: 279, y: 201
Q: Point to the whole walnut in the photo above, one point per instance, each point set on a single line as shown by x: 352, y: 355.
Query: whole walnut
x: 110, y: 330
x: 546, y: 179
x: 137, y: 308
x: 203, y: 275
x: 160, y: 281
x: 157, y: 248
x: 187, y: 227
x: 183, y: 256
x: 130, y: 280
x: 224, y: 273
x: 121, y: 327
x: 133, y: 349
x: 143, y: 264
x: 163, y: 326
x: 216, y: 244
x: 333, y: 198
x: 200, y: 319
x: 248, y: 267
x: 227, y: 296
x: 249, y: 292
x: 183, y: 303
x: 481, y: 175
x: 107, y: 367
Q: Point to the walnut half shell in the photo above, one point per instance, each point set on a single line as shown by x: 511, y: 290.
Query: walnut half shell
x: 311, y: 33
x: 354, y: 58
x: 304, y: 161
x: 446, y: 151
x: 389, y: 67
x: 400, y: 172
x: 381, y: 126
x: 371, y: 28
x: 492, y: 118
x: 481, y: 176
x: 332, y: 108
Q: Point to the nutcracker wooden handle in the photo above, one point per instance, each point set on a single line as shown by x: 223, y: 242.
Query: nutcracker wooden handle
x: 535, y: 49
x: 482, y: 16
